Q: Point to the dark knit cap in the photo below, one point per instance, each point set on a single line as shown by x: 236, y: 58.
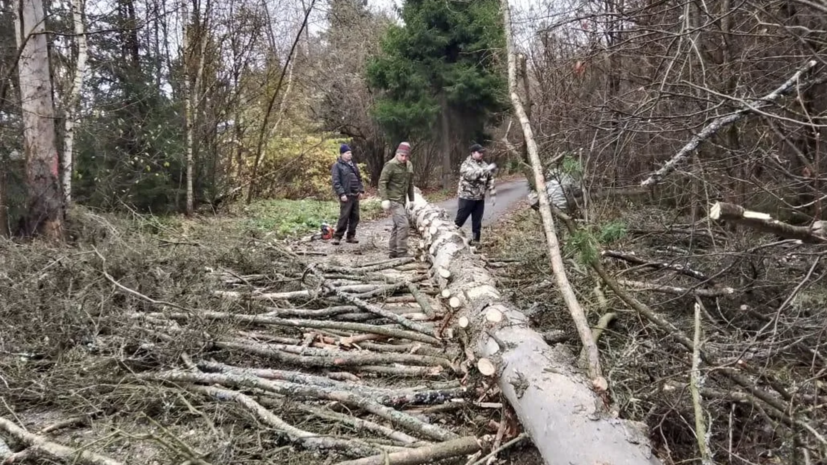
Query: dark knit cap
x: 477, y: 148
x: 343, y: 149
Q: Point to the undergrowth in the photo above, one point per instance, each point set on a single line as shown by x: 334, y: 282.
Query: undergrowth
x: 759, y: 327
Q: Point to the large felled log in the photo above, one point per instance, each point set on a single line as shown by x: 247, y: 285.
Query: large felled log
x: 815, y: 234
x: 555, y: 403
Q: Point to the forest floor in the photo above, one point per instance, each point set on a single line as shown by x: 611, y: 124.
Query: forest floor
x: 227, y: 340
x: 235, y: 339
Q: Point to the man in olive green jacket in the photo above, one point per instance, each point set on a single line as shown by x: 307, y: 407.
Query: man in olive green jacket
x: 396, y: 183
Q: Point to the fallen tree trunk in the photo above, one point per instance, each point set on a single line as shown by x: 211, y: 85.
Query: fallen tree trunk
x: 555, y: 404
x: 815, y: 234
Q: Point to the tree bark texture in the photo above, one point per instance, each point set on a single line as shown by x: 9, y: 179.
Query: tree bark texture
x: 555, y: 404
x: 45, y: 206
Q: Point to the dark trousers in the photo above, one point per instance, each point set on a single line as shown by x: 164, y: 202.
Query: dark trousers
x: 348, y: 217
x: 474, y: 209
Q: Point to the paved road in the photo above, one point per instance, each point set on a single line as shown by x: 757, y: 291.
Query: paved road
x: 509, y: 194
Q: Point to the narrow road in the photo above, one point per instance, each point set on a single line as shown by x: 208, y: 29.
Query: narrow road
x: 509, y: 194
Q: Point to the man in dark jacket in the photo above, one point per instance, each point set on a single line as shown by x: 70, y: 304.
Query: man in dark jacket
x: 347, y: 183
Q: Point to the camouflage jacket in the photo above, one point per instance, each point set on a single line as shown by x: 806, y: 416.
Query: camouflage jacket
x: 474, y: 180
x: 562, y: 189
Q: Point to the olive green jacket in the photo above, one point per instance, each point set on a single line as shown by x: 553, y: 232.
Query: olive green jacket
x: 396, y: 180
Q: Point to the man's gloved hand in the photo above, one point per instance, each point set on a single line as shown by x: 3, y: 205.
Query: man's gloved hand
x: 491, y: 167
x: 386, y: 205
x: 343, y: 198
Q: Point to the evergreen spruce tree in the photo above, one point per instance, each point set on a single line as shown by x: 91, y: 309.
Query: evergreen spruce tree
x: 441, y: 73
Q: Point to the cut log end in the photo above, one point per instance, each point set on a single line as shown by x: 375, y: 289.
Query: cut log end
x: 492, y: 315
x: 486, y: 367
x: 444, y: 273
x: 454, y: 302
x: 463, y: 322
x: 446, y: 293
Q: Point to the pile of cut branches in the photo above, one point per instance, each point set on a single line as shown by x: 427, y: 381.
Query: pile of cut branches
x: 127, y: 348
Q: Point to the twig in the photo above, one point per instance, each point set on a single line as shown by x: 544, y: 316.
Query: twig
x: 662, y: 265
x: 421, y: 300
x: 694, y: 385
x: 300, y: 323
x: 41, y: 445
x: 505, y: 446
x: 305, y: 438
x: 714, y: 292
x: 297, y: 390
x: 330, y: 360
x: 427, y: 454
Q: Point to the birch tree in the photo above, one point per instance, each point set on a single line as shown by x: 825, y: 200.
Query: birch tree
x: 73, y: 103
x: 45, y: 207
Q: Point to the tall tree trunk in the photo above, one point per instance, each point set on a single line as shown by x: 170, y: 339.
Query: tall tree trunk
x: 188, y: 103
x: 45, y: 206
x: 72, y: 105
x: 558, y: 268
x: 446, y: 143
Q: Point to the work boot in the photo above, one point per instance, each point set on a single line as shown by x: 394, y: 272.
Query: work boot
x: 392, y: 255
x: 336, y: 241
x: 352, y: 240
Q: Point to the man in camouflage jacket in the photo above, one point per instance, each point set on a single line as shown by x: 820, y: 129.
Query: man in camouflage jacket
x: 475, y: 178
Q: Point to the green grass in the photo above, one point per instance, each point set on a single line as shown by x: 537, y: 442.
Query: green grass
x: 276, y: 218
x: 286, y: 218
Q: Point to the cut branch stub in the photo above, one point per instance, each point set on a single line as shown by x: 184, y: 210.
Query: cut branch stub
x: 486, y: 367
x: 492, y: 315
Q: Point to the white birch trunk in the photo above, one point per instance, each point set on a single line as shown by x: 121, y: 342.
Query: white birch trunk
x: 73, y: 103
x: 188, y: 103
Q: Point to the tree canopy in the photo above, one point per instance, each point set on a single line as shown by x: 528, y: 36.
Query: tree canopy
x: 444, y: 50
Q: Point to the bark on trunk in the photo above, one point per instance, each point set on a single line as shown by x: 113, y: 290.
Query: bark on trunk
x: 188, y: 101
x: 73, y: 101
x: 45, y: 209
x: 555, y: 404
